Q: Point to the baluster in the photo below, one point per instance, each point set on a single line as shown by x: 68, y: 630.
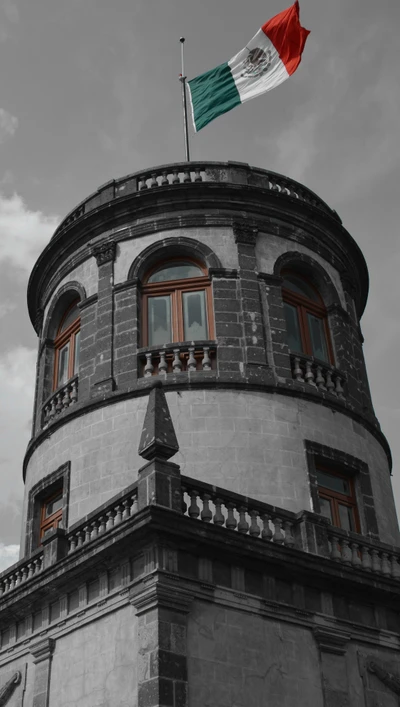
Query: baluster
x: 219, y: 518
x: 153, y: 182
x: 289, y: 539
x: 1, y: 589
x: 395, y: 567
x: 74, y: 392
x: 184, y: 504
x: 25, y: 572
x: 194, y: 510
x: 66, y: 399
x: 243, y: 526
x: 255, y: 529
x: 110, y: 520
x: 385, y: 569
x: 72, y: 544
x: 355, y: 557
x: 176, y: 363
x: 6, y: 585
x: 366, y: 563
x: 86, y: 530
x: 206, y: 514
x: 206, y: 359
x: 127, y: 509
x: 30, y: 570
x: 59, y: 405
x: 297, y: 372
x: 142, y: 183
x: 38, y: 564
x: 338, y: 388
x: 162, y: 366
x: 278, y: 536
x: 80, y: 538
x: 149, y: 368
x: 134, y: 506
x: 53, y: 410
x: 175, y: 177
x: 329, y: 383
x: 18, y: 576
x: 346, y: 552
x: 12, y: 582
x: 186, y: 176
x: 102, y: 524
x: 191, y: 364
x: 309, y: 377
x: 231, y: 521
x: 46, y: 414
x: 118, y: 514
x: 376, y: 562
x: 335, y: 551
x: 95, y: 530
x: 266, y: 533
x: 164, y: 180
x: 197, y: 176
x: 320, y: 381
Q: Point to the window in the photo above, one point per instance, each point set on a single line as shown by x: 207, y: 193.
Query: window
x: 51, y: 513
x: 66, y: 346
x: 177, y: 303
x: 337, y: 499
x: 306, y: 318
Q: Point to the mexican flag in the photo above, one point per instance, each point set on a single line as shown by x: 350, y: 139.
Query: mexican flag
x: 268, y: 59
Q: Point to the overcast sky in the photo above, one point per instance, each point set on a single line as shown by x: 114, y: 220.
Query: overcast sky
x: 89, y: 91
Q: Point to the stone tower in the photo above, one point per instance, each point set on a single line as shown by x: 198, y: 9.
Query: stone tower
x: 207, y: 312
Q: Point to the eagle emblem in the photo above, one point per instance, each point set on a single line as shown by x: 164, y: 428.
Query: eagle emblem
x: 256, y: 63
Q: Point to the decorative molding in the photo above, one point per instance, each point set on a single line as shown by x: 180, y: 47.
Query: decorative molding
x: 331, y: 641
x: 104, y: 252
x: 270, y: 279
x: 386, y: 676
x: 7, y: 690
x: 245, y: 233
x: 42, y: 650
x: 88, y: 301
x: 222, y: 274
x: 127, y: 285
x: 163, y: 595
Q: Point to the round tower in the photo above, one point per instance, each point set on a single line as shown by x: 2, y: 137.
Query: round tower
x: 242, y: 292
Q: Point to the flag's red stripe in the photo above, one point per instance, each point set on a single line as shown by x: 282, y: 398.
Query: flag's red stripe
x: 288, y: 36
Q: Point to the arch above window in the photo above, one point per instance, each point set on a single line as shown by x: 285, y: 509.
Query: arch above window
x: 177, y: 303
x: 67, y: 346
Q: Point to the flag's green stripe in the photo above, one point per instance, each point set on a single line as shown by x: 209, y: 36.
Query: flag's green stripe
x: 213, y: 94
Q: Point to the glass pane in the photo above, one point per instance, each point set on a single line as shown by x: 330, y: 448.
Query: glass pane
x: 54, y: 505
x: 195, y: 316
x: 72, y: 315
x: 317, y: 334
x: 159, y: 315
x: 300, y: 287
x: 176, y: 271
x: 77, y: 349
x: 346, y: 517
x: 335, y: 483
x: 326, y: 509
x: 63, y: 357
x: 293, y: 328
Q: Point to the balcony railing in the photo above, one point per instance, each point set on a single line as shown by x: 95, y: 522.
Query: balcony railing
x: 177, y: 358
x: 60, y: 400
x: 322, y: 376
x: 25, y: 570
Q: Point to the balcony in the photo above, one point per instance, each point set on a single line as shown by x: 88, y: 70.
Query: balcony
x: 170, y: 360
x: 60, y: 400
x: 320, y: 375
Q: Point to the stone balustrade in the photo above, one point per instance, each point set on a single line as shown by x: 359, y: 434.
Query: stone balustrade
x: 25, y: 570
x: 322, y: 376
x: 61, y: 399
x: 356, y: 551
x: 184, y: 173
x: 238, y: 513
x: 177, y: 358
x: 100, y: 522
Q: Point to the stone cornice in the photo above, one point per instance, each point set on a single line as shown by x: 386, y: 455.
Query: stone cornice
x: 161, y: 594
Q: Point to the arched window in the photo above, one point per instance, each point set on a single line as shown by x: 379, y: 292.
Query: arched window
x: 306, y: 318
x: 66, y: 345
x: 177, y: 303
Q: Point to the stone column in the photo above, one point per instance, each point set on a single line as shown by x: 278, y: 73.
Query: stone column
x: 126, y: 334
x: 42, y: 652
x: 104, y: 380
x: 87, y: 352
x: 335, y: 684
x: 276, y: 323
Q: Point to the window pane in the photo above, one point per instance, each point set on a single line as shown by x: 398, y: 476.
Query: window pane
x: 335, y: 483
x: 300, y: 287
x: 63, y: 357
x: 317, y: 334
x: 293, y: 328
x: 159, y: 315
x: 326, y: 509
x: 346, y: 517
x: 176, y: 271
x: 194, y: 316
x: 77, y: 349
x: 72, y: 315
x: 54, y: 505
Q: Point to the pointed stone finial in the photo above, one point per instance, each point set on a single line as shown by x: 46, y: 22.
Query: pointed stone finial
x: 158, y: 437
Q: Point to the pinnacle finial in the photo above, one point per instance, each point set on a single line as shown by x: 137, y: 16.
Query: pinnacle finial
x: 158, y: 437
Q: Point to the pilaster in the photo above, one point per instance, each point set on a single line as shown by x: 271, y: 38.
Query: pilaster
x: 104, y: 380
x: 335, y: 684
x: 42, y: 652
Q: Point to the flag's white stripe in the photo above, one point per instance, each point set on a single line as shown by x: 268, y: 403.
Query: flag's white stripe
x: 250, y: 84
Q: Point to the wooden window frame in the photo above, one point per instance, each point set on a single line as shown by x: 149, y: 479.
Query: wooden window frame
x: 175, y: 289
x: 54, y: 519
x: 335, y: 497
x: 305, y: 306
x: 63, y: 338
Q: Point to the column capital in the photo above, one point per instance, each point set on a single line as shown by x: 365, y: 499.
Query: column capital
x: 42, y: 650
x: 245, y: 232
x: 104, y: 252
x: 331, y: 640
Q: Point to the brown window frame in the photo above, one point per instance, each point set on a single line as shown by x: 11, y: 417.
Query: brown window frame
x: 335, y: 497
x: 175, y: 288
x: 52, y: 521
x: 304, y: 305
x: 62, y: 338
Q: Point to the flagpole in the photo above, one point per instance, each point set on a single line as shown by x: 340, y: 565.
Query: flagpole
x: 182, y: 79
